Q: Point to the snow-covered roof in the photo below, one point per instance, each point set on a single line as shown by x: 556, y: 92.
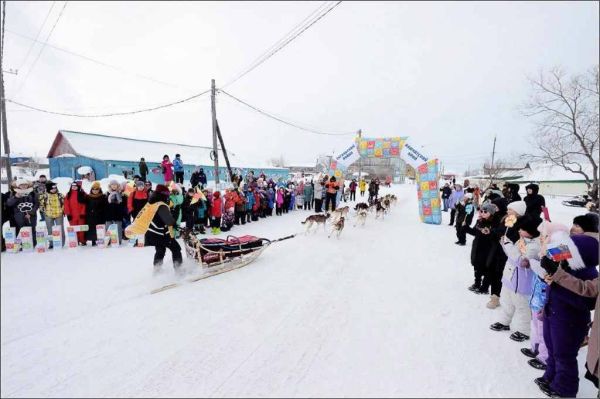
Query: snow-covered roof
x: 115, y: 148
x: 541, y: 172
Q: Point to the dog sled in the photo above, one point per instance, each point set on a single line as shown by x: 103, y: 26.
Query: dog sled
x: 217, y: 256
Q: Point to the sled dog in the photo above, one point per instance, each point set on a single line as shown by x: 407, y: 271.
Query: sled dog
x: 316, y: 219
x: 337, y: 227
x: 361, y: 217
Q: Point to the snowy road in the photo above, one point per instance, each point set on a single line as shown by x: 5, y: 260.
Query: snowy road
x: 381, y: 312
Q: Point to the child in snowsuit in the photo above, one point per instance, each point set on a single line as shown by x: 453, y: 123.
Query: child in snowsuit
x: 567, y: 317
x: 249, y: 195
x: 175, y: 202
x: 279, y: 202
x: 482, y: 244
x: 216, y: 213
x: 464, y: 216
x: 517, y: 279
x: 538, y: 351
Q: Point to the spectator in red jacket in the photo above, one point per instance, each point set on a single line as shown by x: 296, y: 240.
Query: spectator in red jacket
x: 137, y: 200
x: 216, y: 212
x: 75, y: 209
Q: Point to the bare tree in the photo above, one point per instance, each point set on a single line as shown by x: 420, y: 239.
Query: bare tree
x: 278, y: 162
x: 30, y: 167
x: 565, y: 112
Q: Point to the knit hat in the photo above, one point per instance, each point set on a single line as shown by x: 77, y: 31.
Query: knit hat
x: 518, y: 206
x: 489, y: 208
x: 587, y: 222
x: 139, y: 184
x: 588, y: 249
x: 162, y: 190
x: 50, y: 184
x: 95, y: 184
x: 529, y: 224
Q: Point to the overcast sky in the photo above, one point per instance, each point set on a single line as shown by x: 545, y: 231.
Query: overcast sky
x: 448, y: 75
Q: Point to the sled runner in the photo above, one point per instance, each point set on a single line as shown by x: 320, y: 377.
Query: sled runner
x: 217, y: 256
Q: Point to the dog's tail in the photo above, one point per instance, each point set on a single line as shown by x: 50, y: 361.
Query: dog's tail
x: 303, y: 222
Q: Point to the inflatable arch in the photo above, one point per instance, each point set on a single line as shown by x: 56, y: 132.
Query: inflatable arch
x: 427, y: 169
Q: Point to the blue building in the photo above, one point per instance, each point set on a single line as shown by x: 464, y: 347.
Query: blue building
x: 110, y: 155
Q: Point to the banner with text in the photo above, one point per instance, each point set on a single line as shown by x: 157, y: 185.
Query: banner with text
x: 345, y: 158
x: 412, y: 156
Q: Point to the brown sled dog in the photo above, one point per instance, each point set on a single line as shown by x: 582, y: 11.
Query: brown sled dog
x: 316, y: 219
x: 337, y: 227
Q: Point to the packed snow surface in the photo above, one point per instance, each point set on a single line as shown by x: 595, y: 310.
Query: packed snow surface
x: 382, y: 312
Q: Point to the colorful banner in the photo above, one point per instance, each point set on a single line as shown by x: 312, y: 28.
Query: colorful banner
x: 385, y: 147
x: 428, y: 192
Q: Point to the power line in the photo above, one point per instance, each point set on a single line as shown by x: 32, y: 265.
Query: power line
x: 110, y: 114
x: 284, y: 121
x: 37, y: 36
x: 42, y: 49
x: 271, y: 53
x: 102, y: 63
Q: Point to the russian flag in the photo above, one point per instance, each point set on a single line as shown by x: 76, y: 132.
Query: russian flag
x: 559, y: 253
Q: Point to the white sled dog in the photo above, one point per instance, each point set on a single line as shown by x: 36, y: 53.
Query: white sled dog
x: 361, y: 217
x: 337, y: 227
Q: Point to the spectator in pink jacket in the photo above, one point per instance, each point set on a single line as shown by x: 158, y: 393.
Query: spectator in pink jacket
x: 167, y: 169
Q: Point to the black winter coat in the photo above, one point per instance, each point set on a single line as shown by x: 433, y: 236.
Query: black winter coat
x: 446, y: 191
x: 534, y: 201
x: 116, y: 211
x: 95, y: 210
x: 483, y: 244
x: 158, y: 231
x: 21, y: 206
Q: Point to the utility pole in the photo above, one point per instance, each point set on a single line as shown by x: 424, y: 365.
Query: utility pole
x: 493, y: 154
x: 359, y: 159
x: 214, y: 131
x: 5, y: 142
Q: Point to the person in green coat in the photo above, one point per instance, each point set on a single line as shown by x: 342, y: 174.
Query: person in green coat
x: 308, y: 196
x: 175, y: 202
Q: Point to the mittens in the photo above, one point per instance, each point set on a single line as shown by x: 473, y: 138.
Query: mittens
x: 549, y: 265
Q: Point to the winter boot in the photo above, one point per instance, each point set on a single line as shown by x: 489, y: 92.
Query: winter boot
x: 518, y: 336
x: 474, y: 287
x: 541, y: 381
x: 529, y: 353
x: 494, y: 302
x: 499, y: 327
x: 537, y: 364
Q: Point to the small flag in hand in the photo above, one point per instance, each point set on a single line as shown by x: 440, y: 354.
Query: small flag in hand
x: 559, y: 253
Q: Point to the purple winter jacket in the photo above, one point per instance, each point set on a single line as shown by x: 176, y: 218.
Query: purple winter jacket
x: 566, y: 305
x: 515, y: 277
